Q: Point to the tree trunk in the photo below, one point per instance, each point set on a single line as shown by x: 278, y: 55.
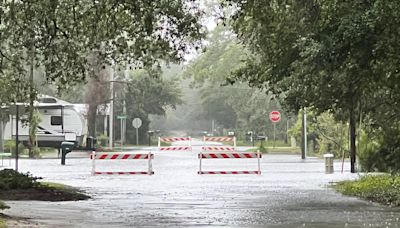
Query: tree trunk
x: 91, y: 117
x: 352, y: 126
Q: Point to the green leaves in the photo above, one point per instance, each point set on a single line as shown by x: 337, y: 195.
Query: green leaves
x: 232, y: 106
x: 147, y: 93
x: 63, y: 34
x: 334, y: 56
x: 384, y: 189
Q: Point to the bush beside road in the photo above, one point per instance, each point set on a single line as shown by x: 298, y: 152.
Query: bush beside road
x: 384, y: 189
x: 2, y: 220
x: 19, y: 186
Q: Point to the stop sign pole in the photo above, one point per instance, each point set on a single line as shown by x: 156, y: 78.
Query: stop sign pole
x: 275, y: 116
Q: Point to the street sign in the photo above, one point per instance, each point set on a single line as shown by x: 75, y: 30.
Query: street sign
x: 121, y: 117
x: 137, y: 122
x: 275, y: 116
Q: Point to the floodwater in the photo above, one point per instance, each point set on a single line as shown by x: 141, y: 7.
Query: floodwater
x: 289, y: 193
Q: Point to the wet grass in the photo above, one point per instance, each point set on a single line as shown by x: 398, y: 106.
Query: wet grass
x: 283, y: 150
x: 268, y: 143
x: 384, y: 188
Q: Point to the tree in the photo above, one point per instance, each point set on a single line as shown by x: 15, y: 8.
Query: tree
x: 147, y: 94
x: 234, y: 107
x: 326, y: 134
x: 318, y: 54
x: 61, y: 35
x: 97, y: 91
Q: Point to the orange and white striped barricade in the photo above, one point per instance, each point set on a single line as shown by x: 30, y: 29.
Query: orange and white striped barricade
x: 224, y: 152
x: 187, y: 147
x: 223, y: 148
x: 219, y: 139
x: 122, y: 156
x: 229, y: 155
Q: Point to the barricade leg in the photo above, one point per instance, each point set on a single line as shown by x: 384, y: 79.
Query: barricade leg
x: 258, y: 159
x: 150, y: 170
x: 200, y: 163
x: 93, y: 157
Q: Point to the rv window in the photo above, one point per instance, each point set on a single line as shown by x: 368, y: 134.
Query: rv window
x: 56, y: 120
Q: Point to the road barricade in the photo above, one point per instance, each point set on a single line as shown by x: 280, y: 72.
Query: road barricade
x: 225, y: 152
x: 122, y: 156
x: 187, y: 147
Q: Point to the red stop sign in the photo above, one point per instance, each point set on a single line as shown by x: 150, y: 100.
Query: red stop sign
x: 275, y: 116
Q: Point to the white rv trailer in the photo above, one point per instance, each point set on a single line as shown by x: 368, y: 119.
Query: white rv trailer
x: 60, y: 122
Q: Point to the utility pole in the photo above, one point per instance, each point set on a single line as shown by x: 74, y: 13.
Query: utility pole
x: 212, y: 127
x: 304, y: 134
x: 31, y: 98
x: 123, y: 134
x: 16, y: 136
x: 125, y: 80
x: 111, y: 121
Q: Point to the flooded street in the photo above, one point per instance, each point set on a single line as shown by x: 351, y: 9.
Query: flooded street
x: 289, y: 193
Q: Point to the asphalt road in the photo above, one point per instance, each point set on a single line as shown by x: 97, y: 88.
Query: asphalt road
x: 289, y: 193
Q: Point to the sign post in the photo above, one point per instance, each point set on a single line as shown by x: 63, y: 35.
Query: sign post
x: 136, y: 123
x: 275, y: 116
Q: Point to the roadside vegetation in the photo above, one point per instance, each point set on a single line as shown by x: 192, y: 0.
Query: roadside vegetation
x: 2, y: 221
x: 19, y: 186
x: 384, y: 189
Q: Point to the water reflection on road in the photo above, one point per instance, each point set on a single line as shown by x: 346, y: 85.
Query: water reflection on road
x: 289, y: 193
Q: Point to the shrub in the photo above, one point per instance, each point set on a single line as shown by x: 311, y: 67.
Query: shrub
x: 11, y: 179
x: 368, y: 155
x: 3, y: 206
x: 36, y: 152
x: 262, y: 149
x: 102, y: 140
x: 9, y: 147
x: 382, y: 152
x: 378, y: 188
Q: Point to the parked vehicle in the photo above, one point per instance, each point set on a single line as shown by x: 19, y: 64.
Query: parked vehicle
x: 60, y: 122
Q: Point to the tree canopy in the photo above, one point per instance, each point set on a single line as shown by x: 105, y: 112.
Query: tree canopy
x: 60, y: 35
x: 236, y: 107
x: 146, y: 94
x: 328, y: 55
